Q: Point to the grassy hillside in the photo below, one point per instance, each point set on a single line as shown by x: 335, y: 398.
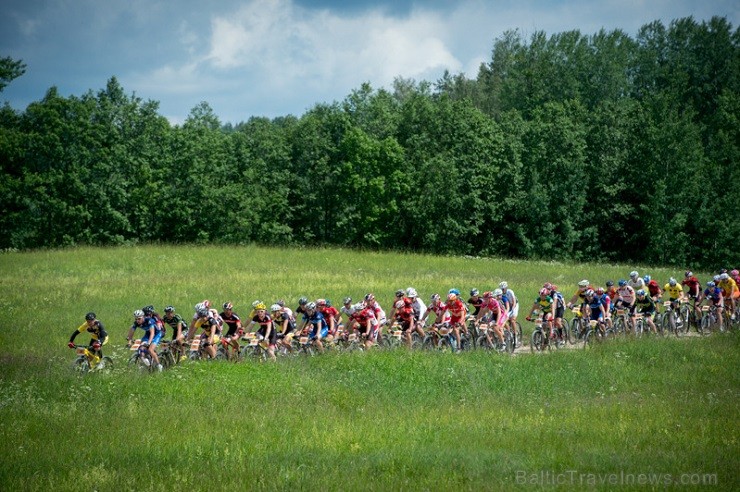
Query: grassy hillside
x: 375, y: 421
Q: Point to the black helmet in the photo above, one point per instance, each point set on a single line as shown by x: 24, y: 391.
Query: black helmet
x: 148, y: 310
x: 610, y: 283
x: 302, y: 301
x: 169, y: 309
x: 90, y: 316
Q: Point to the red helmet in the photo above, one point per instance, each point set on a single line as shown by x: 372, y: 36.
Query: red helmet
x: 544, y: 291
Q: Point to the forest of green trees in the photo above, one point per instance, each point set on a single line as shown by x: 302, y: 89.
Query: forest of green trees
x: 569, y: 147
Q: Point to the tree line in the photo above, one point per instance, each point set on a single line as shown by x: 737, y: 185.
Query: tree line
x: 570, y: 147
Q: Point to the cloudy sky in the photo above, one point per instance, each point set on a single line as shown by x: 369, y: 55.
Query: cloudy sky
x: 278, y: 57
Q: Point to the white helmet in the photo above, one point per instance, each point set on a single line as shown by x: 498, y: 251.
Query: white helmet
x: 583, y: 283
x: 399, y: 304
x: 633, y: 274
x: 498, y: 292
x: 275, y: 307
x: 358, y: 307
x: 411, y: 292
x: 503, y: 285
x: 724, y: 276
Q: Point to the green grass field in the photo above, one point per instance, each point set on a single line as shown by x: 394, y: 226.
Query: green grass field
x: 651, y: 410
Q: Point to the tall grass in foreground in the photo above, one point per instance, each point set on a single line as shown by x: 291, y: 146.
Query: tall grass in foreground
x: 375, y: 421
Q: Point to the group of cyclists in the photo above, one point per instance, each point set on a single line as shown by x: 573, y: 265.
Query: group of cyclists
x: 321, y: 322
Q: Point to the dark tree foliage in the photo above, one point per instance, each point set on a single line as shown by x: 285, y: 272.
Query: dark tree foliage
x: 570, y: 146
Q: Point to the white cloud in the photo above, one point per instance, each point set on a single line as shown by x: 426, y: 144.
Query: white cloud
x: 283, y: 40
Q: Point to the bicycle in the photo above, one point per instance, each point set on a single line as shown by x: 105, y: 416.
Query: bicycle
x: 597, y: 333
x: 622, y: 322
x: 578, y: 326
x: 674, y: 321
x: 140, y: 358
x: 709, y: 319
x: 170, y: 353
x: 494, y: 343
x: 198, y: 347
x: 226, y: 351
x: 87, y: 361
x: 541, y: 341
x: 256, y: 348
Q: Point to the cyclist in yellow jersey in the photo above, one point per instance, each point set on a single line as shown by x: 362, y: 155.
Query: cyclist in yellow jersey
x: 98, y: 335
x: 729, y: 291
x: 673, y: 289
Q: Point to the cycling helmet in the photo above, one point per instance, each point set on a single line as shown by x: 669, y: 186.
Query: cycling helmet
x: 716, y: 279
x: 454, y: 291
x: 169, y: 309
x: 600, y: 290
x: 554, y: 288
x: 640, y: 292
x: 622, y: 282
x: 370, y: 297
x: 260, y: 307
x: 583, y: 283
x: 347, y: 300
x: 321, y: 302
x: 199, y: 306
x: 610, y: 283
x: 435, y: 297
x: 487, y: 294
x: 710, y: 284
x: 735, y: 273
x: 399, y: 293
x: 302, y: 301
x: 672, y: 282
x: 228, y: 305
x: 544, y: 292
x: 275, y: 307
x: 411, y: 292
x: 590, y: 293
x: 498, y: 292
x: 451, y: 296
x: 646, y: 279
x: 203, y: 312
x: 723, y: 270
x: 358, y: 307
x: 503, y: 285
x: 311, y: 306
x: 328, y: 302
x: 547, y: 286
x: 474, y: 292
x: 724, y: 276
x: 138, y: 313
x: 90, y: 316
x: 280, y: 303
x: 399, y: 304
x: 688, y: 273
x: 148, y: 310
x: 633, y: 274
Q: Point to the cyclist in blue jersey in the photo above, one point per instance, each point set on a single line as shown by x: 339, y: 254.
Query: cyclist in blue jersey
x: 152, y: 334
x: 314, y: 319
x: 596, y: 308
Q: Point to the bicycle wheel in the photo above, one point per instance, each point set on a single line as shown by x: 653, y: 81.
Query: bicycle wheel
x: 567, y: 334
x: 538, y: 341
x: 509, y: 341
x: 483, y: 343
x: 588, y: 339
x: 105, y: 365
x: 81, y: 365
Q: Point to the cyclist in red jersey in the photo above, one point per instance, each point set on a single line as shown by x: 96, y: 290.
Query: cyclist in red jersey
x: 330, y: 314
x: 457, y: 312
x: 694, y: 287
